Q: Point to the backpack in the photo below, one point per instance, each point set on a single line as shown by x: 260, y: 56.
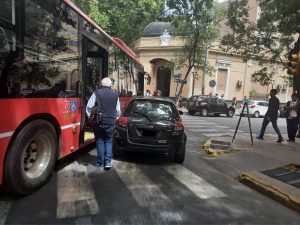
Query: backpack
x: 96, y: 116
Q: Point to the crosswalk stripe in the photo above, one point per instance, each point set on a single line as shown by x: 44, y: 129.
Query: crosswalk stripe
x: 196, y: 184
x: 4, y: 209
x: 217, y: 134
x: 146, y: 193
x: 202, y: 129
x: 202, y: 123
x: 75, y: 195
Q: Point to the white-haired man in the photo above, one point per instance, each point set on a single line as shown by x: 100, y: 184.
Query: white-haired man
x: 104, y: 133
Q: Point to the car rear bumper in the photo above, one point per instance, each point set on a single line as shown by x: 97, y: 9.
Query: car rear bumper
x: 171, y: 148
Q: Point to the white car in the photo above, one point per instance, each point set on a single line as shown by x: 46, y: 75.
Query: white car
x: 257, y: 108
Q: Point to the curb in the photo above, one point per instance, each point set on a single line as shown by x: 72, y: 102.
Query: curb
x: 284, y: 193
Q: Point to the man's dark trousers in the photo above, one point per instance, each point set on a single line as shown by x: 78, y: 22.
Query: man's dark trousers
x: 265, y: 123
x: 292, y: 127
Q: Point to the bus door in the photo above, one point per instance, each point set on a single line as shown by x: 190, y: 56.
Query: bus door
x: 95, y: 68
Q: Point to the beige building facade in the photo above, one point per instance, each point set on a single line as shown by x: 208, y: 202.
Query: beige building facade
x: 157, y: 48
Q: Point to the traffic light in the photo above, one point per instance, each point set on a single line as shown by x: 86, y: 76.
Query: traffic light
x: 293, y: 64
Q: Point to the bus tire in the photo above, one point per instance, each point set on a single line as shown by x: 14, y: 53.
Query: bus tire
x: 31, y: 158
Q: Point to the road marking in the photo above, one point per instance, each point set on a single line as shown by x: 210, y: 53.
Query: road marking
x: 146, y: 193
x: 196, y: 184
x: 4, y: 209
x: 217, y: 134
x: 75, y: 195
x: 202, y: 123
x: 223, y: 127
x: 201, y: 129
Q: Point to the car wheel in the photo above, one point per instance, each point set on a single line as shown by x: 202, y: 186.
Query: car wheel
x: 256, y: 114
x: 230, y: 113
x: 204, y: 112
x: 117, y: 153
x: 179, y: 158
x: 191, y: 112
x: 31, y: 158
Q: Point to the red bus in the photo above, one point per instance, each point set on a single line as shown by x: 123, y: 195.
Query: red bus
x: 52, y: 58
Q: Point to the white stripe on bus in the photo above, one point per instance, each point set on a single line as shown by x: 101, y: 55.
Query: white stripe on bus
x: 10, y: 133
x: 69, y: 126
x: 7, y: 134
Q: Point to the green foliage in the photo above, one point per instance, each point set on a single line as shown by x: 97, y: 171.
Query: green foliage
x: 268, y: 40
x: 195, y: 22
x: 124, y: 19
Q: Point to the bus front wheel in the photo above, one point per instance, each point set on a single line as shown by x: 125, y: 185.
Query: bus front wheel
x: 31, y: 158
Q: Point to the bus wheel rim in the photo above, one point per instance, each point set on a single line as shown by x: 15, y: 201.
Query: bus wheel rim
x: 37, y: 155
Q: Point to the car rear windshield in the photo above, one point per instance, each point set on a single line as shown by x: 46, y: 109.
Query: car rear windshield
x: 155, y: 110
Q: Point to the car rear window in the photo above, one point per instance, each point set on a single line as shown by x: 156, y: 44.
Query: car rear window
x: 155, y: 110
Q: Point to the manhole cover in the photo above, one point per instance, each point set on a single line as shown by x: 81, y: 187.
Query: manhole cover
x: 219, y: 145
x: 289, y: 174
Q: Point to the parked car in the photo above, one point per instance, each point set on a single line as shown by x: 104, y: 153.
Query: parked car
x: 182, y: 101
x: 209, y: 105
x: 152, y: 125
x: 257, y: 108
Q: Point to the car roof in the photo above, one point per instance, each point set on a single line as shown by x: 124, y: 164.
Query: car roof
x: 154, y: 98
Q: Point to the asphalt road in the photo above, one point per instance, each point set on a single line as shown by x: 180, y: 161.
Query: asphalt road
x: 147, y: 189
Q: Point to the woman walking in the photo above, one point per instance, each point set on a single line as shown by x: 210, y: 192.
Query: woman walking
x: 292, y: 117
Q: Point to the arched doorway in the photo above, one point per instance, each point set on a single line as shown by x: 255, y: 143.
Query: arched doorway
x: 163, y: 81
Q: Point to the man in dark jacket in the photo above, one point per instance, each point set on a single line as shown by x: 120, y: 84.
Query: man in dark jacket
x: 271, y: 116
x: 104, y: 133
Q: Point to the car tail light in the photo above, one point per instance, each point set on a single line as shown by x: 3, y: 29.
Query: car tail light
x: 252, y: 106
x: 122, y: 122
x: 178, y: 126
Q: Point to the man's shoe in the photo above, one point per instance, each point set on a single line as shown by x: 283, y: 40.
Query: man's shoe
x: 298, y: 136
x: 108, y: 166
x: 279, y: 140
x: 259, y: 138
x: 98, y: 165
x: 290, y: 140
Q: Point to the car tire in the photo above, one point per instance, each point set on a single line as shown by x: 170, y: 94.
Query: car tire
x: 204, y: 112
x: 179, y: 158
x: 117, y: 153
x: 230, y: 113
x: 256, y: 114
x: 191, y: 112
x: 31, y: 158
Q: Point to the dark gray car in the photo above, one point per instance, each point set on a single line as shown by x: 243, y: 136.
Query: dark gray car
x: 209, y: 105
x: 152, y: 125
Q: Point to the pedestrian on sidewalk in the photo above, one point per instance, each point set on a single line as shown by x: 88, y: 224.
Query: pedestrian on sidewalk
x: 110, y: 106
x: 271, y: 116
x: 292, y: 117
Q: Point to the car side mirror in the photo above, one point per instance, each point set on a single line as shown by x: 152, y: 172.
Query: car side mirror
x: 180, y: 112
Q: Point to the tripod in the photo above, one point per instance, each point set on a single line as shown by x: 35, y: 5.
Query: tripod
x: 238, y: 124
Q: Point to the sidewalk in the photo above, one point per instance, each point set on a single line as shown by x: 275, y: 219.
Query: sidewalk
x: 269, y: 167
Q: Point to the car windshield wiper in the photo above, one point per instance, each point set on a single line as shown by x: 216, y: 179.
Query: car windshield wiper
x: 143, y: 115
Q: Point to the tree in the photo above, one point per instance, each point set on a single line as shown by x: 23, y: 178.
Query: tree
x: 124, y: 19
x: 195, y: 23
x: 267, y: 40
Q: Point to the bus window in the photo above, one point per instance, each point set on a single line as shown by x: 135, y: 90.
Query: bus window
x: 4, y: 50
x: 51, y: 49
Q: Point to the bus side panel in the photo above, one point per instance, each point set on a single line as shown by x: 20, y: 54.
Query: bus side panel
x: 124, y: 101
x: 3, y: 146
x: 67, y: 111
